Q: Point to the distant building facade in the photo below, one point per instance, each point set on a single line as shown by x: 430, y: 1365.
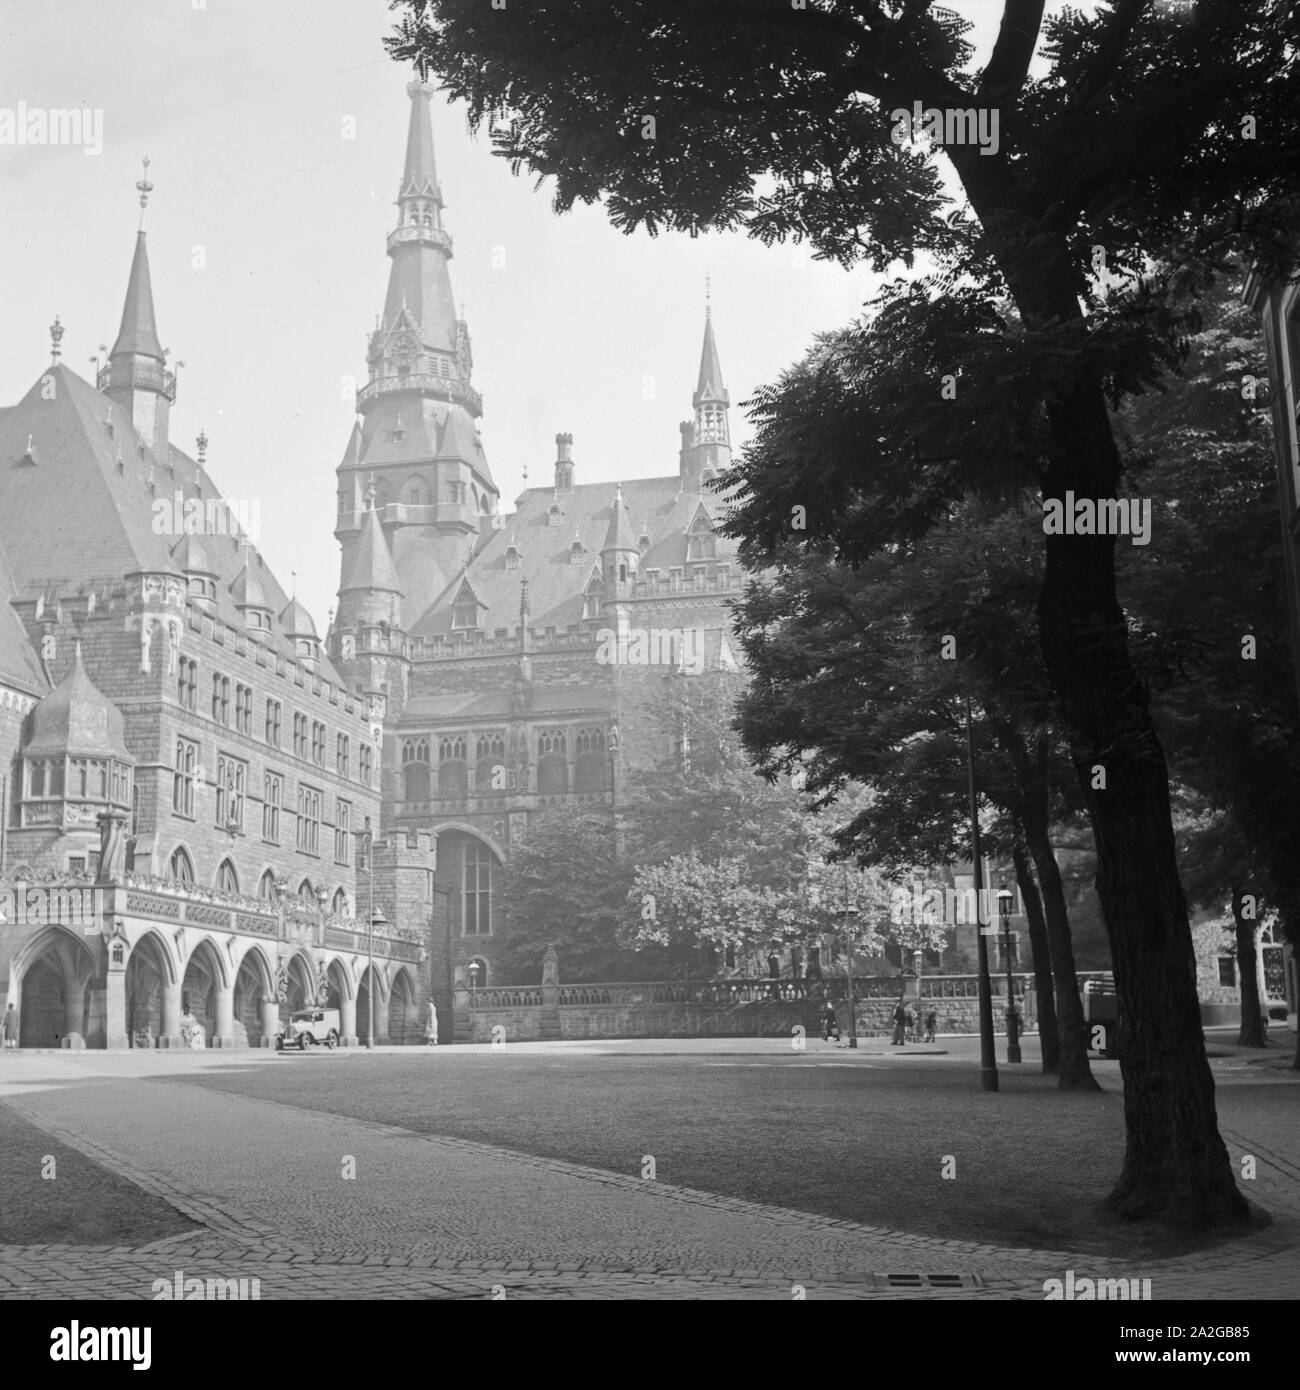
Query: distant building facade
x: 512, y: 656
x: 184, y: 773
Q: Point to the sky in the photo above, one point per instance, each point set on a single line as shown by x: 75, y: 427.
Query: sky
x: 276, y: 135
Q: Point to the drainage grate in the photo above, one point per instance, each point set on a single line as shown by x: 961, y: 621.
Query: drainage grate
x: 932, y: 1281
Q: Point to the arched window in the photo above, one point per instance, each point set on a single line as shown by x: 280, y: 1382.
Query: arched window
x: 306, y: 892
x: 591, y: 600
x: 415, y: 770
x: 266, y: 887
x: 416, y: 492
x: 552, y: 765
x: 181, y: 866
x: 489, y: 755
x: 227, y: 878
x: 339, y: 907
x: 591, y: 769
x: 453, y: 766
x: 476, y: 887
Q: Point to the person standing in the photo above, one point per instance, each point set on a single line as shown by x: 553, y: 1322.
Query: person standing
x: 900, y: 1023
x: 931, y: 1021
x: 11, y: 1027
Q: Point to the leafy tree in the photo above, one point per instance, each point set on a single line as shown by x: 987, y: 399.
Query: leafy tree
x: 564, y: 885
x: 1143, y: 138
x: 857, y: 677
x: 1208, y: 609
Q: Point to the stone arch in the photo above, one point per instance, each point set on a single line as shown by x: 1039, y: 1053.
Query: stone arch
x: 150, y: 972
x: 205, y: 977
x: 227, y: 876
x: 342, y: 985
x: 300, y: 981
x: 401, y: 1005
x: 383, y: 999
x: 49, y: 980
x: 253, y: 984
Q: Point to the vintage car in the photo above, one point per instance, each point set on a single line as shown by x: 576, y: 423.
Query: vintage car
x: 308, y: 1028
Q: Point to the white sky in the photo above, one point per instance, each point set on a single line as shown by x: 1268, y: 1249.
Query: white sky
x: 241, y: 107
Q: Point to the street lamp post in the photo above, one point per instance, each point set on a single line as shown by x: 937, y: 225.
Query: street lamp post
x: 1013, y: 1031
x: 988, y: 1057
x: 850, y: 912
x: 473, y: 981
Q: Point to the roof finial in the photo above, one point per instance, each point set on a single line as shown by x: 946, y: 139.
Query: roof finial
x: 146, y: 188
x: 56, y: 337
x: 708, y: 296
x: 202, y: 443
x: 293, y: 576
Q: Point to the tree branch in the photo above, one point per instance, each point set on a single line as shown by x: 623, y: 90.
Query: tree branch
x: 1018, y: 37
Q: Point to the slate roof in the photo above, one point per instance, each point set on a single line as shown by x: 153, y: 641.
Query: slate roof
x: 73, y: 515
x: 76, y: 717
x: 19, y: 667
x: 556, y: 585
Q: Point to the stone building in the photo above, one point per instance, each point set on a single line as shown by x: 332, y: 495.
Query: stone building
x: 511, y: 653
x: 185, y: 776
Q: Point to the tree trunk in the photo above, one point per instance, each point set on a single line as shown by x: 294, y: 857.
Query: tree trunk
x: 1176, y: 1167
x: 1252, y: 1015
x: 1075, y: 1071
x: 1032, y: 817
x: 1048, y: 1034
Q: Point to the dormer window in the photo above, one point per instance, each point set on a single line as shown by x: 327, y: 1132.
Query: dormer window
x: 554, y: 514
x: 513, y: 557
x: 576, y: 552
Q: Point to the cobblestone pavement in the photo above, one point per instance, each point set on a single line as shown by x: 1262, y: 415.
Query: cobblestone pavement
x: 434, y: 1217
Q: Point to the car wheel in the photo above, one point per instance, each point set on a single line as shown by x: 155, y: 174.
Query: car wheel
x: 304, y: 1041
x: 332, y: 1040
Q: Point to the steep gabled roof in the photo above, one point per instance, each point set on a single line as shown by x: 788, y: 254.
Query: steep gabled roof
x: 372, y: 566
x: 556, y: 586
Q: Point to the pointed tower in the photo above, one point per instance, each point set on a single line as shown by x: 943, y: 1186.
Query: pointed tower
x: 706, y: 443
x: 368, y: 640
x: 620, y: 554
x: 417, y: 441
x: 136, y: 374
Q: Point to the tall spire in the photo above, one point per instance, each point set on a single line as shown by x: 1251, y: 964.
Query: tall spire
x: 136, y: 374
x: 706, y: 442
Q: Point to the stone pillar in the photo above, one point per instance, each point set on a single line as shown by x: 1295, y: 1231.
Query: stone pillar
x: 461, y: 1013
x: 270, y: 1020
x: 347, y: 1021
x: 170, y: 1031
x: 380, y: 1007
x: 224, y: 1028
x: 74, y: 1004
x: 550, y: 1020
x: 115, y: 1008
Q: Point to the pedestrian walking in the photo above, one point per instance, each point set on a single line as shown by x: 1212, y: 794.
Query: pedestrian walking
x: 909, y: 1025
x: 830, y: 1023
x: 931, y: 1022
x: 900, y: 1022
x: 11, y: 1027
